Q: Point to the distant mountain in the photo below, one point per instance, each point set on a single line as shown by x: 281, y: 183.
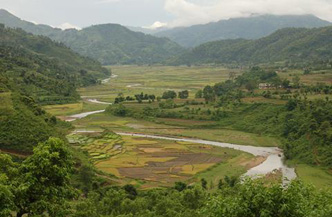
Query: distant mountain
x: 290, y: 44
x: 14, y: 22
x: 107, y: 43
x: 247, y: 28
x: 47, y: 71
x: 146, y: 30
x: 115, y: 44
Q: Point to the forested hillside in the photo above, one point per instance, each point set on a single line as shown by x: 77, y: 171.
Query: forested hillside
x: 115, y: 44
x: 35, y: 70
x: 47, y: 71
x: 23, y: 123
x: 247, y: 28
x: 291, y: 44
x: 108, y: 43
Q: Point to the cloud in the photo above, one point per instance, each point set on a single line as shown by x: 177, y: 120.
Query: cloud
x: 156, y: 25
x: 108, y: 1
x: 188, y: 12
x: 68, y: 26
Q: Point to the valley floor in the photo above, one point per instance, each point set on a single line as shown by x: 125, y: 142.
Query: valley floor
x: 149, y: 162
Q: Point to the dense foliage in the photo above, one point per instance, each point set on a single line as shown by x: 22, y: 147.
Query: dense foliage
x: 247, y: 28
x: 23, y: 123
x: 47, y: 71
x: 287, y: 45
x: 108, y: 43
x: 40, y: 186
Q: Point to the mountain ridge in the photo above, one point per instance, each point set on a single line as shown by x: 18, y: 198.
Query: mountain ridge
x: 289, y: 44
x: 129, y: 47
x: 248, y: 28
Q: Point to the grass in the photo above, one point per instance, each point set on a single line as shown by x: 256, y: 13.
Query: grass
x: 133, y: 80
x: 121, y: 124
x: 74, y: 108
x: 324, y: 76
x: 316, y: 176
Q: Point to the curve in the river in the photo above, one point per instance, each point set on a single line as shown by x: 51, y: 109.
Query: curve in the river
x: 273, y: 162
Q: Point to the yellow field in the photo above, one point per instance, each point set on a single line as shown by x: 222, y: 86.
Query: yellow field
x: 153, y: 160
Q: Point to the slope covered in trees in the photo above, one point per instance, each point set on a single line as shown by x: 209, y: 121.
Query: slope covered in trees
x: 47, y: 71
x: 248, y: 28
x: 291, y: 44
x: 35, y: 70
x: 108, y: 43
x: 23, y: 123
x: 115, y: 44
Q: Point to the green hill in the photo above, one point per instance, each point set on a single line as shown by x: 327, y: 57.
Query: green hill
x: 115, y: 44
x: 107, y: 43
x: 290, y: 44
x: 47, y: 71
x: 23, y: 123
x: 35, y: 70
x: 248, y: 28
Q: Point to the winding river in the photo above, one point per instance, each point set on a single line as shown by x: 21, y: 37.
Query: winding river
x: 274, y: 156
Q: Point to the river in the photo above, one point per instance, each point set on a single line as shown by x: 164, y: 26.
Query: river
x: 274, y: 156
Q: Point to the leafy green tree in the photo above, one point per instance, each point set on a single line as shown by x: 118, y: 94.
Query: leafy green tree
x: 131, y: 191
x: 296, y: 81
x: 251, y: 85
x: 8, y: 171
x: 204, y: 183
x: 194, y: 198
x: 44, y: 181
x: 209, y: 94
x: 180, y: 186
x: 169, y: 95
x: 199, y: 94
x: 184, y: 94
x: 220, y: 184
x: 253, y: 198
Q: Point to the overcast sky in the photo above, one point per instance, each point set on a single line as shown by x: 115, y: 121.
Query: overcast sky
x: 82, y: 13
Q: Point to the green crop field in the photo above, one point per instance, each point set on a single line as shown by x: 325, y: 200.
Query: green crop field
x: 132, y: 80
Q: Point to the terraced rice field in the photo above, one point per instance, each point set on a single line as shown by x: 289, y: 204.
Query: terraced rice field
x: 157, y: 161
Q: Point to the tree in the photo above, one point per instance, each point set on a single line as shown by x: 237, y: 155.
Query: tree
x: 231, y: 75
x: 180, y: 186
x: 204, y: 183
x: 208, y: 94
x: 296, y: 81
x: 7, y: 172
x: 220, y: 184
x: 285, y: 83
x: 184, y: 94
x: 251, y: 85
x: 199, y: 94
x: 44, y: 182
x: 120, y: 110
x: 131, y: 191
x: 169, y: 95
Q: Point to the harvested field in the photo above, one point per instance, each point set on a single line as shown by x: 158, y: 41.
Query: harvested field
x: 153, y: 160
